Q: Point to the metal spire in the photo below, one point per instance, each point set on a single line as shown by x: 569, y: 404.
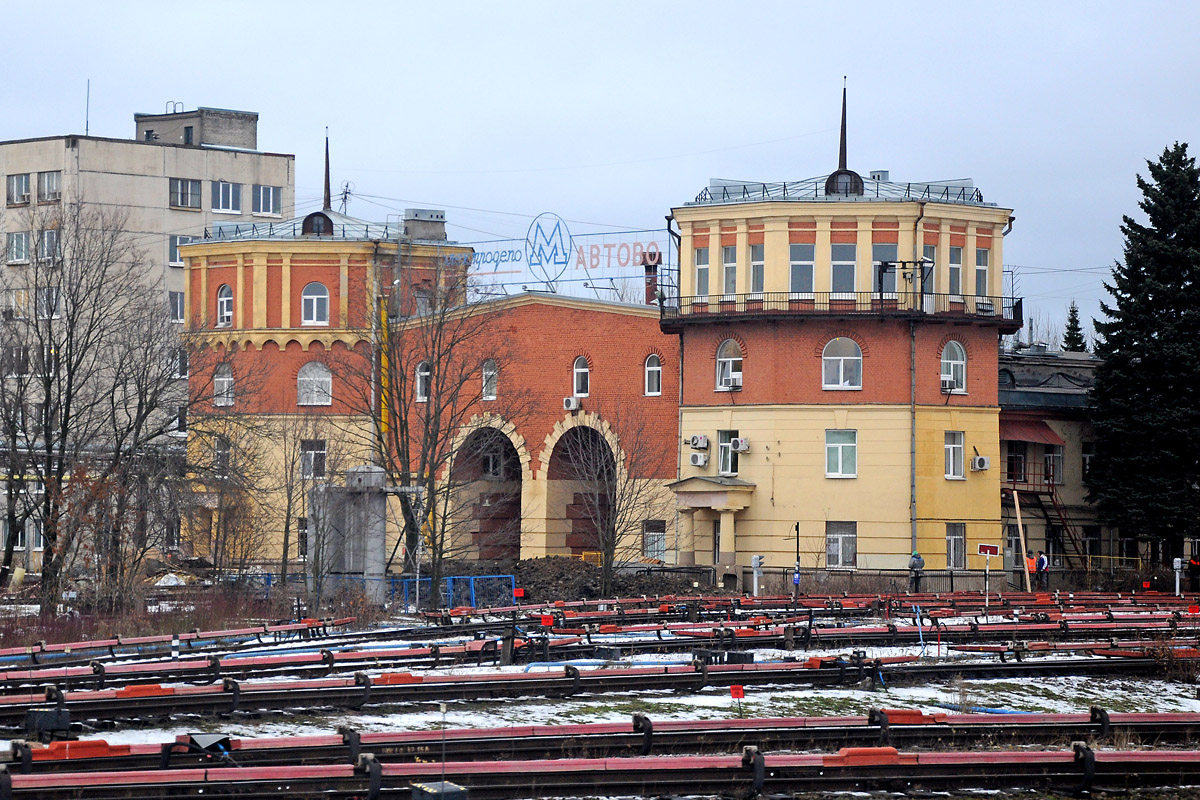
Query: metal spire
x: 329, y: 198
x: 842, y: 146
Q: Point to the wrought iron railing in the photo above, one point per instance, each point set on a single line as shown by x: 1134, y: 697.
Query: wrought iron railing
x: 1002, y: 309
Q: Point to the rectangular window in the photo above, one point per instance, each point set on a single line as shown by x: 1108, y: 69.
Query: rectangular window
x: 701, y: 271
x: 956, y: 545
x: 716, y: 541
x: 173, y: 257
x: 226, y: 197
x: 19, y: 541
x: 223, y: 386
x: 180, y: 425
x: 49, y: 186
x: 981, y: 273
x: 47, y: 303
x: 221, y: 457
x: 654, y: 538
x: 47, y: 245
x: 175, y: 301
x: 802, y: 256
x: 312, y: 458
x: 841, y: 544
x: 18, y: 247
x: 1089, y: 450
x: 841, y: 454
x: 954, y: 454
x: 185, y: 193
x: 727, y: 458
x: 729, y: 268
x: 1053, y: 461
x: 189, y: 134
x: 179, y: 363
x: 884, y: 268
x: 956, y: 271
x: 18, y: 189
x: 171, y: 535
x: 842, y: 259
x: 1091, y: 540
x: 16, y: 361
x: 757, y: 269
x: 1013, y: 554
x: 1014, y: 462
x: 929, y: 269
x: 1054, y: 545
x: 302, y: 536
x: 48, y: 361
x: 268, y: 199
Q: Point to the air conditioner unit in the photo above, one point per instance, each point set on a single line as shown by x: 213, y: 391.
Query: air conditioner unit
x: 948, y: 383
x: 732, y: 382
x: 698, y: 459
x: 739, y: 445
x: 570, y: 404
x: 980, y: 463
x: 698, y: 442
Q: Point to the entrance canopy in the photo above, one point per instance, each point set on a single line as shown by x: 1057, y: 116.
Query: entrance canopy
x: 1028, y: 431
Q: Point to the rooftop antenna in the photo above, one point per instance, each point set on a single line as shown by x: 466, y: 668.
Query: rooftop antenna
x: 328, y: 197
x: 87, y: 109
x: 842, y: 142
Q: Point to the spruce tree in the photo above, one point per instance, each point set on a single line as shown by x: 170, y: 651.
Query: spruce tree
x: 1073, y: 341
x: 1145, y: 474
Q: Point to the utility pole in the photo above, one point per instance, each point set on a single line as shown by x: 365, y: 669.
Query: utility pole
x: 796, y: 574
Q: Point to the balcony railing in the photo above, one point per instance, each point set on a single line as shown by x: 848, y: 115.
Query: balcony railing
x: 1004, y: 311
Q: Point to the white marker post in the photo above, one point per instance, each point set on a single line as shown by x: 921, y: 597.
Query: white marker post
x: 987, y: 551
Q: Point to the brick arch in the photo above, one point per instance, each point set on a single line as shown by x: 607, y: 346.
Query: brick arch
x: 507, y: 429
x: 842, y: 333
x: 585, y: 419
x: 722, y: 339
x: 962, y: 342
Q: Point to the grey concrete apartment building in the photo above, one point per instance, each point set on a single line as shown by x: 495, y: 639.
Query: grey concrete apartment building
x: 183, y: 172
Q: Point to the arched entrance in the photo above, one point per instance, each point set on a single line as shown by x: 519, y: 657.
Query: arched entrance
x: 487, y: 478
x: 581, y: 482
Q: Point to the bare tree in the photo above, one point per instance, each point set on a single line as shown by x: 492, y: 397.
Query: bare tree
x: 615, y: 468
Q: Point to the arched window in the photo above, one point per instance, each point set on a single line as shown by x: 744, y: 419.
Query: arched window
x: 490, y: 379
x: 424, y: 380
x: 581, y: 377
x: 841, y: 364
x: 314, y: 385
x: 316, y: 224
x: 314, y: 304
x: 729, y: 366
x: 224, y: 306
x: 1007, y: 378
x: 954, y: 367
x: 653, y: 375
x: 223, y: 385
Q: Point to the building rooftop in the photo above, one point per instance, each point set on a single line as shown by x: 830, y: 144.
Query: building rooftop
x: 343, y: 228
x: 721, y: 191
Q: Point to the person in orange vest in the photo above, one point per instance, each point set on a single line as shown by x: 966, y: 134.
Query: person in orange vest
x: 1031, y: 566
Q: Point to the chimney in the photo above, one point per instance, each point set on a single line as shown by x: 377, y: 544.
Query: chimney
x: 650, y: 262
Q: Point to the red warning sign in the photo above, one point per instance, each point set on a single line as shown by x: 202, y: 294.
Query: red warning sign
x: 1145, y: 584
x: 519, y: 592
x: 737, y: 692
x: 547, y: 621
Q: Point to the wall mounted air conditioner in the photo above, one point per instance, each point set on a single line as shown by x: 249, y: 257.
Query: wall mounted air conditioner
x: 948, y: 383
x: 570, y: 404
x: 698, y: 442
x: 980, y: 463
x: 698, y: 459
x: 739, y: 444
x: 732, y: 382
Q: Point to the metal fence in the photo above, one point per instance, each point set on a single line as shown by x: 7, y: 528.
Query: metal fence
x: 456, y: 591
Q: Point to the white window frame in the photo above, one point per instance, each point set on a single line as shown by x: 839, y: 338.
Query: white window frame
x: 49, y: 186
x: 314, y: 304
x: 313, y: 456
x: 314, y: 385
x: 881, y: 253
x: 956, y: 545
x: 702, y: 274
x: 954, y: 366
x: 48, y: 246
x: 224, y: 306
x: 729, y: 270
x: 223, y: 385
x: 844, y: 383
x: 955, y: 454
x: 653, y: 382
x: 179, y: 425
x: 491, y: 379
x: 424, y: 381
x: 21, y: 541
x: 17, y: 247
x: 222, y: 456
x: 17, y: 189
x: 175, y: 303
x: 184, y: 193
x: 1053, y: 464
x: 654, y: 540
x: 581, y: 377
x: 729, y: 366
x: 837, y: 540
x: 758, y: 274
x: 727, y: 457
x: 982, y: 265
x: 180, y: 363
x: 929, y: 265
x: 226, y: 197
x: 267, y: 200
x: 844, y: 264
x: 802, y: 259
x: 173, y: 243
x: 841, y: 453
x: 954, y: 288
x: 47, y: 302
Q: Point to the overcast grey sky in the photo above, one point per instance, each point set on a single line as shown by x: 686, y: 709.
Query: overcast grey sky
x: 611, y: 113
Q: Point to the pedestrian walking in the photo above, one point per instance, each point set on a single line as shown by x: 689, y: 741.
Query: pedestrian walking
x: 915, y: 566
x: 1042, y: 566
